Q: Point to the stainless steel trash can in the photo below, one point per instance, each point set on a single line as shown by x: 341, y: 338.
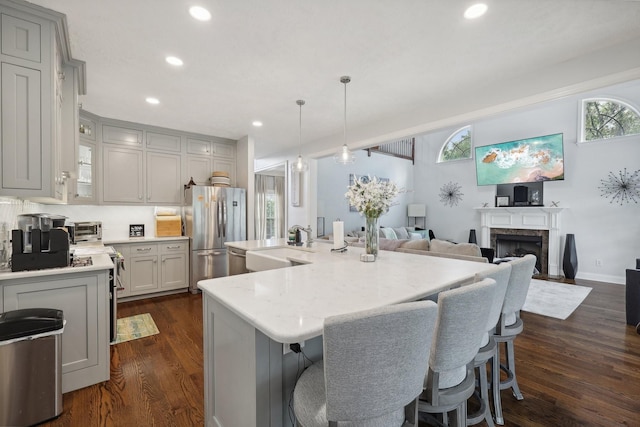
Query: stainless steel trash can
x: 30, y: 366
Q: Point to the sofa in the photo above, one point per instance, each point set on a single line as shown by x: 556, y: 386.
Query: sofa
x: 435, y: 247
x: 411, y: 240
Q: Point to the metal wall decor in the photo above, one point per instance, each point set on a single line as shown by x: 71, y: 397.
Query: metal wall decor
x: 450, y: 194
x: 621, y: 188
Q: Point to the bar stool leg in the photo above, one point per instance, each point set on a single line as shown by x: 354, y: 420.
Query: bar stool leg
x: 511, y: 363
x: 495, y: 387
x: 484, y: 395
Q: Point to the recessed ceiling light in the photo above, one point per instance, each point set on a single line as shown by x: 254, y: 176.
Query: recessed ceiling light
x: 475, y: 11
x: 174, y: 61
x: 257, y: 123
x: 152, y: 100
x: 200, y: 13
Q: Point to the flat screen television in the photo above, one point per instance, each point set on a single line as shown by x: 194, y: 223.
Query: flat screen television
x: 526, y: 160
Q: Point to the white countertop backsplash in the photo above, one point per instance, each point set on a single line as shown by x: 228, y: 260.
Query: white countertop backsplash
x: 141, y: 240
x: 115, y: 219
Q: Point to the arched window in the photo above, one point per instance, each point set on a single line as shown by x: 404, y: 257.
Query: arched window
x: 604, y: 118
x: 457, y: 146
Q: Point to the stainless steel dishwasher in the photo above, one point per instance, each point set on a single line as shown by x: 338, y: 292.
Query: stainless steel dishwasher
x: 237, y: 261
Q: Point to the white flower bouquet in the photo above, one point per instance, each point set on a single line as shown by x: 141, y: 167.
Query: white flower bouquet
x: 371, y: 196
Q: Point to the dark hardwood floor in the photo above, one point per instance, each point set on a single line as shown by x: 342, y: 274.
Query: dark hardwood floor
x: 155, y: 381
x: 583, y: 371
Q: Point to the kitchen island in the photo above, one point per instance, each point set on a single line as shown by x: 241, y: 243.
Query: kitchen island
x: 250, y: 319
x: 82, y: 293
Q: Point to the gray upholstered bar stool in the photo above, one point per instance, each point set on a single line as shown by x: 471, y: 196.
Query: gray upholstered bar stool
x: 509, y: 327
x: 373, y: 368
x: 450, y: 380
x: 488, y: 347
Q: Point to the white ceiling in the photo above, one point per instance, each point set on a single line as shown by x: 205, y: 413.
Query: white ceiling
x: 413, y: 63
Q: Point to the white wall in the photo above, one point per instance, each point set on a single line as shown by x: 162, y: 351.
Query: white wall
x: 604, y: 231
x: 333, y: 180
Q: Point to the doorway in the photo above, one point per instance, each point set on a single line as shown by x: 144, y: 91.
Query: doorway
x: 271, y: 202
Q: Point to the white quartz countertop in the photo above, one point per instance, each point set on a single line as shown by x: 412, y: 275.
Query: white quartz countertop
x: 143, y: 240
x: 100, y: 262
x: 290, y: 304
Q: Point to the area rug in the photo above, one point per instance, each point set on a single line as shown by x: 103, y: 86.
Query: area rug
x: 134, y: 327
x: 554, y: 299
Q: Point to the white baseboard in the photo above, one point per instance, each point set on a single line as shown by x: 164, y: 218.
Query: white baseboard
x: 620, y: 280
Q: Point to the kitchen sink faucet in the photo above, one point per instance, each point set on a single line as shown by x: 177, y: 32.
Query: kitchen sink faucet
x: 307, y: 230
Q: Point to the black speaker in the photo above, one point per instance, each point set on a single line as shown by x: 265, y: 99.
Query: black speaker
x: 520, y: 195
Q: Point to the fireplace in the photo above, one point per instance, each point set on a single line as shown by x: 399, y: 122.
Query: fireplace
x: 531, y: 230
x: 516, y: 245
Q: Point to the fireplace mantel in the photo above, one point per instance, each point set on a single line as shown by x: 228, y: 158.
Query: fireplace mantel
x: 527, y: 218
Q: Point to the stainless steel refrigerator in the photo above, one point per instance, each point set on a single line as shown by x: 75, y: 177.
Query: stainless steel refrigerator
x: 212, y: 216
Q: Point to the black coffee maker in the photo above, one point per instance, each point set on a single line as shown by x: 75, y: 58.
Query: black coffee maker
x: 40, y: 242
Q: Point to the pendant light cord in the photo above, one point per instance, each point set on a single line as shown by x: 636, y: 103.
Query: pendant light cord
x: 345, y: 111
x: 300, y: 102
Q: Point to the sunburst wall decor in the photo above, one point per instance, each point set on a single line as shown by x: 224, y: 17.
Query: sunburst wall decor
x: 450, y: 194
x: 621, y: 188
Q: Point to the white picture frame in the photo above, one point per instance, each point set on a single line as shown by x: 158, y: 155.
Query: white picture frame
x: 502, y: 201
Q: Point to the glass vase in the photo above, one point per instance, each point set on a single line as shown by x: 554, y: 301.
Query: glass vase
x: 371, y: 236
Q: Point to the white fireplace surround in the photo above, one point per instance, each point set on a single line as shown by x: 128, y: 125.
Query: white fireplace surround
x: 525, y: 218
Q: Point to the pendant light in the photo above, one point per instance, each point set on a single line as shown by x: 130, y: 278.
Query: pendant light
x: 300, y: 165
x: 345, y: 156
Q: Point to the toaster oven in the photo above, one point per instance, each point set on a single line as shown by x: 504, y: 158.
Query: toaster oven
x: 87, y: 231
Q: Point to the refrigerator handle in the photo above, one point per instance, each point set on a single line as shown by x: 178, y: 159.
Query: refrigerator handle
x: 219, y: 224
x: 224, y: 218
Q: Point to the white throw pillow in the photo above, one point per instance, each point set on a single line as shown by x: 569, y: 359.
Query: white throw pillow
x: 388, y: 233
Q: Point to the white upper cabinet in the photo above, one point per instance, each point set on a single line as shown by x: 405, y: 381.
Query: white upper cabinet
x: 37, y: 102
x: 88, y: 128
x: 163, y: 178
x: 225, y: 165
x: 161, y: 141
x: 121, y: 135
x: 123, y: 178
x: 22, y: 38
x: 223, y: 149
x: 199, y: 169
x: 199, y: 146
x: 22, y: 131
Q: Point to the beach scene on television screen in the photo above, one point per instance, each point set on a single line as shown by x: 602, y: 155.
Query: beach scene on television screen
x: 526, y: 160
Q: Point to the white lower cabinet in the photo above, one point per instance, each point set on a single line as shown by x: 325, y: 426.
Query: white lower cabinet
x: 83, y: 298
x: 154, y: 266
x: 173, y: 270
x: 144, y: 274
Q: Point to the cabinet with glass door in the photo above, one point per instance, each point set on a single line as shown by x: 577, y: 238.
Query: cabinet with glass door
x: 85, y: 191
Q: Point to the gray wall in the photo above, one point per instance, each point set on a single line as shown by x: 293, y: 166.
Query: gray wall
x: 333, y: 180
